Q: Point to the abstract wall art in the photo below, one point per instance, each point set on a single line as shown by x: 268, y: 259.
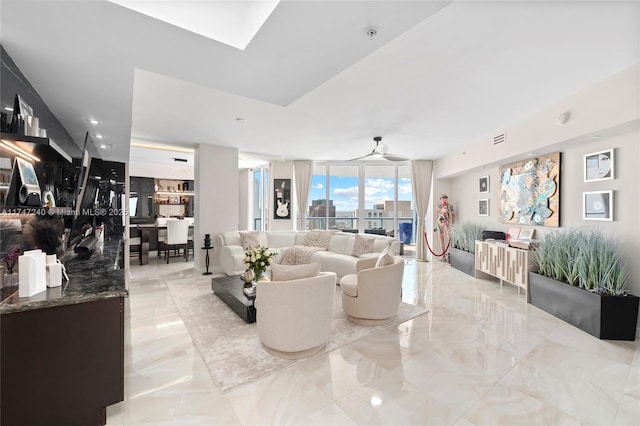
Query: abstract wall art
x: 530, y: 191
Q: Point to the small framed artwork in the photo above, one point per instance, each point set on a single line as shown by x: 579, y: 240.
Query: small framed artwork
x: 597, y: 205
x: 599, y: 166
x: 282, y: 199
x: 526, y: 234
x: 513, y: 233
x: 483, y: 207
x: 483, y: 184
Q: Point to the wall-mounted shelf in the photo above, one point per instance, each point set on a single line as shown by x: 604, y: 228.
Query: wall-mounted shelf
x: 176, y: 192
x: 43, y: 148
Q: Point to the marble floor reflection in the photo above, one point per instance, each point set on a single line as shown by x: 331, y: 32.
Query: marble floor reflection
x: 481, y: 356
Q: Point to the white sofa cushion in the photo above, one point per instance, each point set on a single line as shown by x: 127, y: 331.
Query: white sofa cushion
x: 362, y: 245
x: 298, y: 255
x: 338, y: 242
x: 232, y: 238
x: 253, y: 239
x: 379, y: 244
x: 385, y: 258
x: 294, y: 272
x: 318, y: 239
x: 281, y: 238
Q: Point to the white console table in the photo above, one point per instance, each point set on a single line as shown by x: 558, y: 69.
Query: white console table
x: 508, y: 264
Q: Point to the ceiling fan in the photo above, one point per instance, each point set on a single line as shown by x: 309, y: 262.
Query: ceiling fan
x: 380, y: 151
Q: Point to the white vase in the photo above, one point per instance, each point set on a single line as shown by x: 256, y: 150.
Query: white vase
x: 55, y: 269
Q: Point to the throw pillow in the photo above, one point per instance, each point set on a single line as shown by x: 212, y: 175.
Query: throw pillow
x: 298, y: 255
x: 253, y: 239
x: 385, y: 258
x: 294, y: 272
x: 318, y: 239
x: 362, y: 245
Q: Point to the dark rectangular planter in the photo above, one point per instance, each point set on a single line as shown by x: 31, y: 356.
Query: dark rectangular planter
x: 605, y: 317
x: 463, y: 261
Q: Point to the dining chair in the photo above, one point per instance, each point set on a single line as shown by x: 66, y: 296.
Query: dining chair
x: 161, y: 232
x: 177, y: 237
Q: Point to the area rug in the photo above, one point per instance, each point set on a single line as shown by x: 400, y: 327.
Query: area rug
x: 231, y: 348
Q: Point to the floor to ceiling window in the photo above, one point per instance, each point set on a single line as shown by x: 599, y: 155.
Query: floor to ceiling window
x: 260, y: 198
x: 371, y: 198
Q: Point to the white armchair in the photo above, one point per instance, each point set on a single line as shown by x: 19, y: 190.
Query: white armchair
x: 372, y: 295
x: 294, y: 317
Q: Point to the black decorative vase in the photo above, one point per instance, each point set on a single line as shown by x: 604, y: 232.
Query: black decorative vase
x: 207, y: 240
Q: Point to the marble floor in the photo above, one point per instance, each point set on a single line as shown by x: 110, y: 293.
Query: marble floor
x: 481, y: 355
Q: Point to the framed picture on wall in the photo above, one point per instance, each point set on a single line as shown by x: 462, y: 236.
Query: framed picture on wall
x: 282, y: 198
x: 483, y: 207
x: 599, y: 166
x: 483, y: 184
x: 597, y: 205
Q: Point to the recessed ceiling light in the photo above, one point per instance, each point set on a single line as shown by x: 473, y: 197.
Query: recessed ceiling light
x: 8, y: 109
x: 99, y: 136
x: 93, y: 121
x: 105, y: 146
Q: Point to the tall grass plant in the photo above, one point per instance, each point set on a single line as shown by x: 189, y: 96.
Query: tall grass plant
x: 584, y: 258
x: 464, y: 236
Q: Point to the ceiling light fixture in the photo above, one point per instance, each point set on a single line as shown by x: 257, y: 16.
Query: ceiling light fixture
x: 93, y: 121
x: 162, y: 147
x: 105, y: 146
x: 99, y: 136
x: 8, y: 109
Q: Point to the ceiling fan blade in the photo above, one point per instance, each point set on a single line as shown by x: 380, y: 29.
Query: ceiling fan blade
x: 360, y: 158
x: 392, y: 157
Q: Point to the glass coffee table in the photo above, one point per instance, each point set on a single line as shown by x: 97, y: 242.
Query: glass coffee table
x: 231, y: 291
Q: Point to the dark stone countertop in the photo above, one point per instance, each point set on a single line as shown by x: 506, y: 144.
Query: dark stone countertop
x: 90, y: 279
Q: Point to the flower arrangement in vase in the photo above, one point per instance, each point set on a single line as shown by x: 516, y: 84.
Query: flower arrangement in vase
x: 258, y: 260
x: 10, y: 258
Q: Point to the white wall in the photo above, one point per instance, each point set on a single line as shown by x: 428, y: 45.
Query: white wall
x: 165, y: 171
x: 606, y: 115
x: 216, y: 201
x: 609, y: 104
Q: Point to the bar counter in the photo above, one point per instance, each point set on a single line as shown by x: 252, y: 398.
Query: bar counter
x: 96, y: 278
x: 62, y: 357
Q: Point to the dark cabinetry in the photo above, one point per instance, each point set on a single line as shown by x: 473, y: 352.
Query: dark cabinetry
x: 141, y: 196
x: 62, y: 365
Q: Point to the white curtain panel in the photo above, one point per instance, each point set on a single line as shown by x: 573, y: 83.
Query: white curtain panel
x: 303, y: 170
x: 421, y: 174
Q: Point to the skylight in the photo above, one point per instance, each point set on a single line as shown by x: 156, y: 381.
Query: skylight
x: 234, y: 23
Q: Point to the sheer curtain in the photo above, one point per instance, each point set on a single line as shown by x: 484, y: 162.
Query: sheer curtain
x: 421, y: 174
x: 303, y: 170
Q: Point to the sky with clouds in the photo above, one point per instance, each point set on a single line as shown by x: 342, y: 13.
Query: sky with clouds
x: 344, y: 191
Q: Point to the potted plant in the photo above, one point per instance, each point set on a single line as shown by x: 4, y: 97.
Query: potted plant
x: 581, y: 280
x: 463, y: 246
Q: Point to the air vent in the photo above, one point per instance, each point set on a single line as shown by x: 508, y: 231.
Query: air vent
x: 498, y: 139
x: 180, y: 160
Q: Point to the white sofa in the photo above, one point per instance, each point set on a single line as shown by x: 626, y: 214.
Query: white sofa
x: 337, y: 258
